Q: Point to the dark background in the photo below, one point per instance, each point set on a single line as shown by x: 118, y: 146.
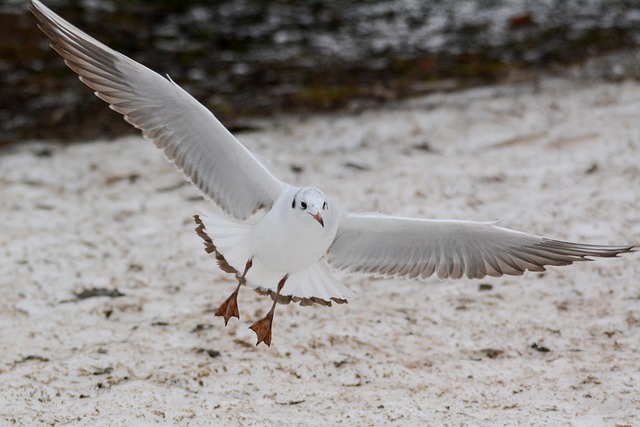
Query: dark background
x: 245, y: 58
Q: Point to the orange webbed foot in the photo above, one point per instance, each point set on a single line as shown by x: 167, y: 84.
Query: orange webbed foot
x: 262, y: 328
x: 229, y: 308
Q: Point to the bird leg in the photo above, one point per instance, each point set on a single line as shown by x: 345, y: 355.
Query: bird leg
x: 229, y: 308
x: 262, y: 327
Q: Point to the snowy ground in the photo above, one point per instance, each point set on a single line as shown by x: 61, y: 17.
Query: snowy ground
x: 557, y: 158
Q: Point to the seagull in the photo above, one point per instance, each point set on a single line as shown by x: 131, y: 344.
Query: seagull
x: 279, y: 239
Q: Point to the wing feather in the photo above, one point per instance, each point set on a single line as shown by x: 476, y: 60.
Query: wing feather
x: 418, y: 248
x: 190, y: 135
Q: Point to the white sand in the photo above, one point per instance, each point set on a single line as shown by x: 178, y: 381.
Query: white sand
x: 557, y: 158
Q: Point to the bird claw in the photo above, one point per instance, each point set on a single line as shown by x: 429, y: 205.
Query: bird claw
x: 262, y: 328
x: 229, y: 308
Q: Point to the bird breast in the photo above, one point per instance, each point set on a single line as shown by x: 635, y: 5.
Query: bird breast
x: 291, y: 243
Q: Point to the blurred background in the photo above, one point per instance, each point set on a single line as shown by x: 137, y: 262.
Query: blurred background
x: 254, y: 58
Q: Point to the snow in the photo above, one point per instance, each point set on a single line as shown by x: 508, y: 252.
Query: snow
x: 556, y: 157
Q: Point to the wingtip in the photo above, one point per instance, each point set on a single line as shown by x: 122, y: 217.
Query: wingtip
x: 37, y: 8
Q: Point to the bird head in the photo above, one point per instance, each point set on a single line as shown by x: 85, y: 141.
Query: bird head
x: 311, y: 201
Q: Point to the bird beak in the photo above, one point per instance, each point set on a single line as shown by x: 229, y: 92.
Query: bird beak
x: 318, y: 218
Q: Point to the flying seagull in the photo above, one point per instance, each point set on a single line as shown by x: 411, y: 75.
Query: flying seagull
x: 286, y: 253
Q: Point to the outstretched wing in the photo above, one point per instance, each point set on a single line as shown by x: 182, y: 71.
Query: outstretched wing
x: 190, y: 135
x: 416, y: 248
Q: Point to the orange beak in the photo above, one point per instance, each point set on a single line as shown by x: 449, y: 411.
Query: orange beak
x: 318, y: 218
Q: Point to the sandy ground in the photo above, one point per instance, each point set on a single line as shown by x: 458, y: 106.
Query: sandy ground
x: 557, y: 158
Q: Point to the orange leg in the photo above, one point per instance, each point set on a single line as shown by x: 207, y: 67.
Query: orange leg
x: 229, y: 308
x: 262, y: 327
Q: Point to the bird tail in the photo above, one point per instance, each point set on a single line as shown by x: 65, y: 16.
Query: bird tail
x: 318, y: 285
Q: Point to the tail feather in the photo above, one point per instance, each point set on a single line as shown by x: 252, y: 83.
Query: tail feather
x: 313, y: 285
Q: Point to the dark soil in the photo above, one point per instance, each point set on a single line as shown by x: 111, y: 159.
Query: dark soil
x: 257, y: 58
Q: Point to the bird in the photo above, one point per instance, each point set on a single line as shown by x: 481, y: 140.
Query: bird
x: 282, y: 240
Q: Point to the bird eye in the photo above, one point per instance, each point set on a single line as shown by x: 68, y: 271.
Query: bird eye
x: 324, y: 206
x: 303, y: 205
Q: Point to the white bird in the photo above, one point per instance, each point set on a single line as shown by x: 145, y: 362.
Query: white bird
x: 286, y: 252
